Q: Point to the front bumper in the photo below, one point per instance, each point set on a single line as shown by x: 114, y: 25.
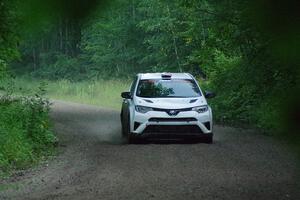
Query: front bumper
x: 160, y: 124
x: 173, y: 136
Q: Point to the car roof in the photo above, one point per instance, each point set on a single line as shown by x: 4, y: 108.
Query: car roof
x: 144, y: 76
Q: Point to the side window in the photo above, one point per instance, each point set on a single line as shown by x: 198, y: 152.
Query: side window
x: 133, y: 85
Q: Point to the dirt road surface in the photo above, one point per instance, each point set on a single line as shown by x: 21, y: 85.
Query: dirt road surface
x: 95, y: 163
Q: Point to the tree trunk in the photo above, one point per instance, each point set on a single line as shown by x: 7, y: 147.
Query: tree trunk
x: 66, y: 37
x: 61, y: 35
x: 174, y: 42
x: 34, y: 58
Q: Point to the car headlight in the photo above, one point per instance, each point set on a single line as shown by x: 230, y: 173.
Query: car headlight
x: 200, y: 109
x: 143, y: 109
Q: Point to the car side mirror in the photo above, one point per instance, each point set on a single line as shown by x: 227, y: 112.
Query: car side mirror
x: 209, y: 94
x: 126, y: 95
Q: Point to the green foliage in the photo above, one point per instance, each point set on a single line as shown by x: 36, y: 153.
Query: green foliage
x: 232, y: 45
x: 64, y: 68
x: 25, y: 134
x: 3, y: 70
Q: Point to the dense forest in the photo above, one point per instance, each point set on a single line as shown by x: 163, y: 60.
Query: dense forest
x: 246, y: 51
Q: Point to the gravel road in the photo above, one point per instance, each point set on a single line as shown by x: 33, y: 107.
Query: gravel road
x: 95, y: 163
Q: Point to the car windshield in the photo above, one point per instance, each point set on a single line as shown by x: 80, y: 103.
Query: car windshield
x: 174, y: 88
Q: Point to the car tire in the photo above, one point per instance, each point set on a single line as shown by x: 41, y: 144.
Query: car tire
x: 131, y: 139
x: 123, y: 127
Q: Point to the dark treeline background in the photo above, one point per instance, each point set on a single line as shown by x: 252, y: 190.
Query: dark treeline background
x: 246, y: 51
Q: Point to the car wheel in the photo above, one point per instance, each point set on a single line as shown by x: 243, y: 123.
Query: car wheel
x: 123, y: 128
x: 131, y: 138
x: 126, y: 132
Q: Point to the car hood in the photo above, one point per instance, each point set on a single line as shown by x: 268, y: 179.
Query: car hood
x: 171, y: 103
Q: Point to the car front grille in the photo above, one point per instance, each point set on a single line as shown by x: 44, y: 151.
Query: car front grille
x: 186, y: 119
x: 167, y: 110
x: 172, y: 129
x: 172, y: 112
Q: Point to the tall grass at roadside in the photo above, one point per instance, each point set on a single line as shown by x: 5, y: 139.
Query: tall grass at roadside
x: 104, y: 93
x: 25, y: 130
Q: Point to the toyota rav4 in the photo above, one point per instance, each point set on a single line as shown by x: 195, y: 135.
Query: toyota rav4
x: 166, y: 106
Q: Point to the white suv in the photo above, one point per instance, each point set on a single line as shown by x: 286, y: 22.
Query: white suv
x: 166, y: 106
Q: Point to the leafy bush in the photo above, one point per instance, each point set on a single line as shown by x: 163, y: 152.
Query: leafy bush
x: 61, y: 67
x: 25, y: 134
x: 2, y: 69
x: 243, y: 96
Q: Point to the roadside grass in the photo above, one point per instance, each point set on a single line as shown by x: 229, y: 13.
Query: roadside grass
x: 13, y: 186
x: 25, y: 129
x: 25, y: 132
x: 104, y: 93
